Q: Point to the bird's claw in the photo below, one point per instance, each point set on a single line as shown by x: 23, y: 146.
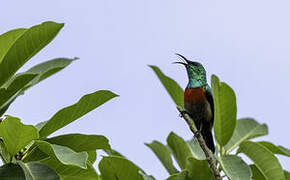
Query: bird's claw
x: 182, y: 113
x: 197, y: 134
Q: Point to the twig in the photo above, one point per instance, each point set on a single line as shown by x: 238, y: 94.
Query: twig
x: 206, y: 150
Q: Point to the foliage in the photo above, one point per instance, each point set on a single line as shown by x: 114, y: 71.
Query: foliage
x: 233, y: 138
x: 29, y: 151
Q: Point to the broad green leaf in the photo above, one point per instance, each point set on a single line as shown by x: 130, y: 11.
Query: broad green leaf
x: 68, y: 156
x: 114, y: 167
x: 81, y: 142
x: 235, y: 168
x: 196, y: 149
x: 183, y: 175
x: 164, y: 155
x: 71, y: 113
x: 7, y: 40
x: 68, y: 172
x: 246, y: 128
x: 25, y: 46
x: 264, y: 159
x: 8, y: 93
x: 16, y: 135
x: 47, y: 69
x: 276, y: 149
x: 63, y: 154
x: 173, y: 89
x: 11, y: 171
x: 180, y: 149
x: 198, y: 169
x: 38, y: 171
x: 225, y: 110
x: 257, y: 175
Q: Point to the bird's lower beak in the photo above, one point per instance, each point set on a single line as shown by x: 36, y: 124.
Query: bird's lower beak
x: 180, y: 63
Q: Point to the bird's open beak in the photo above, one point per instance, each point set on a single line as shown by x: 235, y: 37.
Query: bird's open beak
x: 183, y: 58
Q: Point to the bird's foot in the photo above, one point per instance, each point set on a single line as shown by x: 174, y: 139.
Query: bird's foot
x: 182, y: 113
x: 197, y: 134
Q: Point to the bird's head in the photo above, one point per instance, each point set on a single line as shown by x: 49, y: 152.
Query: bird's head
x: 195, y: 71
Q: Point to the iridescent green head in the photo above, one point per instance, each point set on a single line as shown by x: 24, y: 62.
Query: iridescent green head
x: 195, y: 71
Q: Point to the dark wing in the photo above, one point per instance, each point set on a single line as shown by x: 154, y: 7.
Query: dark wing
x: 209, y: 98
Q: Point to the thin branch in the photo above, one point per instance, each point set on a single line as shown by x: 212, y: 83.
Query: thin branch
x: 206, y: 150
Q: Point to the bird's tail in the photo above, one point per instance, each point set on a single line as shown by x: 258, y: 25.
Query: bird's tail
x: 207, y: 136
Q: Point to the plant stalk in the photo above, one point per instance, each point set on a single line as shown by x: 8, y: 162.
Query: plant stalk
x: 206, y: 150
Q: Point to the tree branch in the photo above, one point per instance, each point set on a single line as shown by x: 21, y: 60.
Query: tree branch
x: 206, y: 150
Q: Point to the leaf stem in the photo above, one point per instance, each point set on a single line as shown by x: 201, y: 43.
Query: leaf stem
x: 206, y: 150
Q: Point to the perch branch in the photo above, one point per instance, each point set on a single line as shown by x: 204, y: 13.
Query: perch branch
x: 206, y: 150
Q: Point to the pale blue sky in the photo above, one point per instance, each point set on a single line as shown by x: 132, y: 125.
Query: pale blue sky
x: 246, y: 43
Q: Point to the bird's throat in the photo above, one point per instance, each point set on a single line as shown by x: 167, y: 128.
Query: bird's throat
x: 196, y: 82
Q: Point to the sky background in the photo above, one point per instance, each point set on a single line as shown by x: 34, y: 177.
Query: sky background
x: 246, y: 43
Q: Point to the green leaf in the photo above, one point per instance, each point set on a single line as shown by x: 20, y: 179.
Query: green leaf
x: 114, y: 167
x: 68, y: 172
x: 16, y: 135
x: 180, y: 149
x: 164, y: 155
x: 11, y: 171
x: 25, y: 44
x: 235, y: 168
x: 225, y: 110
x: 257, y: 175
x: 196, y: 149
x: 246, y: 129
x: 38, y: 171
x: 7, y: 40
x: 174, y: 90
x: 9, y: 92
x: 264, y: 159
x: 68, y: 156
x: 81, y: 142
x: 198, y: 169
x: 47, y: 69
x: 63, y: 154
x: 71, y: 113
x: 183, y: 175
x: 276, y: 149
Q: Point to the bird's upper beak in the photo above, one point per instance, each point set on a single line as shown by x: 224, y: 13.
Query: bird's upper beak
x: 183, y: 58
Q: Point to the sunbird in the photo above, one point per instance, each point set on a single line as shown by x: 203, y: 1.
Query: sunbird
x: 198, y: 100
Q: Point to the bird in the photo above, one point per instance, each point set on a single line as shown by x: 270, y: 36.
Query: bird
x: 198, y: 100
